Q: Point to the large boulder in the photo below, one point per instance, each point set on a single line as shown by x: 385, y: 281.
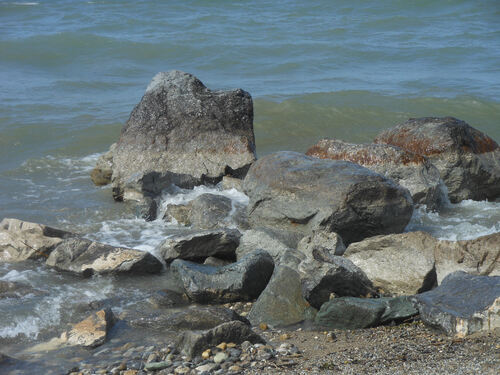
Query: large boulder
x: 462, y: 304
x: 352, y: 313
x: 199, y: 245
x: 182, y: 133
x: 413, y: 171
x: 415, y: 262
x: 468, y: 160
x: 281, y: 303
x: 86, y: 257
x: 22, y: 240
x: 300, y: 193
x: 240, y: 281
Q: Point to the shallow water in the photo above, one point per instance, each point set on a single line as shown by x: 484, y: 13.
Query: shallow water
x: 71, y: 72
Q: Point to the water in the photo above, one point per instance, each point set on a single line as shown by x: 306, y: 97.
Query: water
x: 71, y: 72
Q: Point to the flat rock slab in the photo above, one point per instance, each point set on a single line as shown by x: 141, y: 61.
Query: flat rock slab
x: 194, y: 343
x: 413, y: 171
x: 86, y: 257
x: 300, y: 193
x: 199, y: 245
x: 467, y: 159
x: 240, y: 281
x: 353, y: 313
x: 22, y: 240
x: 92, y: 331
x: 281, y: 303
x: 185, y: 134
x: 462, y: 304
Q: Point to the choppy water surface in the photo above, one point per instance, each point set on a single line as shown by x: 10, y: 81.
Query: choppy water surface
x: 71, y: 72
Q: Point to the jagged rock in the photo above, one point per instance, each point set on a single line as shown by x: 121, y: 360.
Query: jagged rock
x: 322, y: 243
x: 12, y: 289
x: 462, y: 304
x: 101, y: 174
x: 352, y: 313
x: 414, y: 172
x: 198, y: 246
x: 415, y: 262
x: 468, y: 160
x: 22, y: 240
x: 86, y: 257
x: 92, y: 331
x: 281, y: 303
x: 182, y: 133
x: 191, y: 318
x: 300, y: 193
x: 194, y: 343
x: 240, y: 281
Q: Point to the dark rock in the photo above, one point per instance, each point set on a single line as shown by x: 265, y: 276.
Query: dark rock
x: 462, y: 304
x: 86, y: 257
x: 22, y: 240
x: 101, y: 174
x: 199, y: 245
x: 192, y: 318
x: 300, y: 193
x: 182, y: 133
x: 12, y: 289
x: 468, y: 160
x: 352, y: 313
x: 168, y: 298
x: 414, y: 172
x: 281, y: 303
x: 240, y: 281
x: 147, y: 209
x: 194, y: 343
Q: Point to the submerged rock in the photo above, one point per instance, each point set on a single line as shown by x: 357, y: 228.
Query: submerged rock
x: 467, y: 159
x: 194, y: 343
x: 414, y: 172
x: 101, y: 174
x: 92, y: 331
x: 462, y: 304
x: 12, y: 289
x: 281, y: 303
x: 86, y: 257
x: 22, y: 240
x: 182, y: 133
x: 197, y: 246
x: 352, y: 313
x: 299, y: 193
x: 240, y: 281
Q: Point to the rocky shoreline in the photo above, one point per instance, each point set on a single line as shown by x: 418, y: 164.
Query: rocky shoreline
x: 314, y: 275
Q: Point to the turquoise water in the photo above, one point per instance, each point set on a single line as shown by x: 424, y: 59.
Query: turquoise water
x: 71, y: 72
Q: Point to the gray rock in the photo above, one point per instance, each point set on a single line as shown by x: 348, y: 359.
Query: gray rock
x: 299, y: 193
x: 22, y: 240
x: 101, y: 174
x: 86, y: 257
x: 326, y: 243
x: 217, y: 262
x: 191, y: 318
x: 182, y: 133
x: 414, y: 172
x: 228, y: 183
x: 281, y: 303
x: 416, y: 262
x: 462, y: 304
x: 352, y: 313
x: 199, y: 245
x: 168, y: 298
x: 240, y: 281
x: 194, y: 343
x: 208, y: 211
x: 467, y: 159
x: 12, y: 289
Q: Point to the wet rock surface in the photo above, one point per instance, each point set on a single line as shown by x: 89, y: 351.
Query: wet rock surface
x: 240, y: 281
x: 462, y: 304
x: 185, y: 134
x: 103, y: 170
x: 413, y: 171
x: 467, y: 159
x: 92, y: 331
x: 86, y: 258
x: 12, y: 289
x: 299, y: 193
